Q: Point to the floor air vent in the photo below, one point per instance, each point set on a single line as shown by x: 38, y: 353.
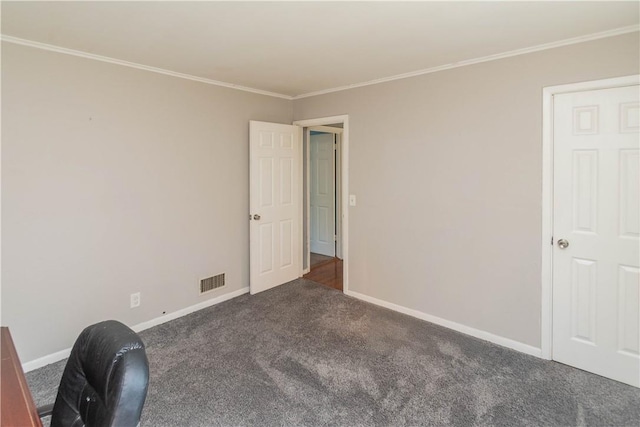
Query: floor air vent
x: 211, y: 283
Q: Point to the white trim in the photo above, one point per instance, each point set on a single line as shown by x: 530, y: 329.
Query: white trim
x: 46, y: 360
x: 337, y: 134
x: 483, y: 335
x: 0, y: 189
x: 66, y: 51
x: 516, y: 52
x: 301, y: 197
x: 546, y: 319
x: 307, y: 208
x: 339, y: 206
x: 188, y: 310
x: 547, y: 228
x: 509, y: 54
x: 326, y: 129
x: 63, y: 354
x: 344, y: 172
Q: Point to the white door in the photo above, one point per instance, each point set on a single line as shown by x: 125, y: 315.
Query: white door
x: 275, y: 205
x: 323, y: 196
x: 596, y: 281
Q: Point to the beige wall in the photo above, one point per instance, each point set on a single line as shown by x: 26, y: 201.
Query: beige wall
x: 447, y: 170
x: 116, y: 180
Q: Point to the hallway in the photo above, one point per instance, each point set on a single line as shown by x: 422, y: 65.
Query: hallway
x: 326, y: 271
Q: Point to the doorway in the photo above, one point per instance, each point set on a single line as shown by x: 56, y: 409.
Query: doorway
x: 325, y: 226
x: 591, y: 260
x: 323, y: 192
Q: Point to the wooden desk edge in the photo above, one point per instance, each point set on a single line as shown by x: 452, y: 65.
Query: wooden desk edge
x: 13, y: 364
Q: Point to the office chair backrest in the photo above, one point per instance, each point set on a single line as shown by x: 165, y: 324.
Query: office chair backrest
x: 105, y: 380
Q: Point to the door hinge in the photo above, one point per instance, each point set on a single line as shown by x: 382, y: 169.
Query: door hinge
x: 551, y: 240
x: 335, y: 238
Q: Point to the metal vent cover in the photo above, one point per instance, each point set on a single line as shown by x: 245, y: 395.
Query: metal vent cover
x: 211, y: 283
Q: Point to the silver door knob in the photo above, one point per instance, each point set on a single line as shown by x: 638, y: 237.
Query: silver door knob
x: 563, y: 244
x: 256, y: 217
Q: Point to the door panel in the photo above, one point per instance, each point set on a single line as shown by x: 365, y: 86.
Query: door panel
x: 275, y: 205
x: 629, y: 315
x: 629, y: 191
x: 596, y: 285
x: 322, y: 194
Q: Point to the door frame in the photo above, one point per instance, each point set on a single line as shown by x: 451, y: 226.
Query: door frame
x: 546, y: 319
x: 337, y: 132
x: 343, y: 187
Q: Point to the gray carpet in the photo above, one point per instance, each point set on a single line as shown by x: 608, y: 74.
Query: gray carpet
x: 304, y: 354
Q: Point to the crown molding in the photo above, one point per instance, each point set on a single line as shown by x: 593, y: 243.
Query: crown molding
x: 517, y: 52
x: 66, y: 51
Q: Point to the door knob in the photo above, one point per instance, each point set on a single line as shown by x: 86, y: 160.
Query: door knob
x: 256, y: 217
x: 563, y: 244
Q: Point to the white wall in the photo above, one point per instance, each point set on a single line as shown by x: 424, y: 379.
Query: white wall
x: 116, y: 180
x: 447, y: 168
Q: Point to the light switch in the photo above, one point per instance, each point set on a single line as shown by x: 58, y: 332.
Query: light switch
x: 352, y: 199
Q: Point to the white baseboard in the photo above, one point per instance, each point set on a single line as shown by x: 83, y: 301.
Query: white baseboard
x: 483, y: 335
x: 188, y: 310
x: 46, y: 360
x: 63, y: 354
x: 487, y: 336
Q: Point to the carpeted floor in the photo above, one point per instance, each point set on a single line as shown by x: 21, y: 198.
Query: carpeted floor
x: 304, y: 354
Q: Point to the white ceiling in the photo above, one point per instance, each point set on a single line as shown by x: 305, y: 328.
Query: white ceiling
x: 295, y: 48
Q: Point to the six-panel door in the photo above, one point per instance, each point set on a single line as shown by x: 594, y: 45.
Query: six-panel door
x: 596, y: 281
x: 275, y: 217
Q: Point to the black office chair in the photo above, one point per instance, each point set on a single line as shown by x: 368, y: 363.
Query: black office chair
x: 105, y: 380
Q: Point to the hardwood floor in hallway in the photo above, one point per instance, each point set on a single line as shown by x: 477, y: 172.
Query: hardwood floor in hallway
x: 327, y: 272
x: 317, y: 259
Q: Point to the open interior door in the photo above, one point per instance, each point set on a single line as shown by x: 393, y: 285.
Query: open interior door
x: 275, y: 204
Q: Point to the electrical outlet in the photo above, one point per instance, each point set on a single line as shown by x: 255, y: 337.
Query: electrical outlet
x: 135, y: 300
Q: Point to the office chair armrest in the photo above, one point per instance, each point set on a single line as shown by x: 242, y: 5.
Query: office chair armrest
x: 45, y: 410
